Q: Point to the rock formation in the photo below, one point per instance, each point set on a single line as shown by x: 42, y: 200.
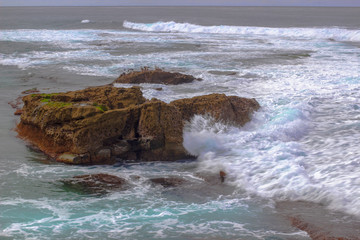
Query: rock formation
x: 96, y: 125
x: 155, y: 76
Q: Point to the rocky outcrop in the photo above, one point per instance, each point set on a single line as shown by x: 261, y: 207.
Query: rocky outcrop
x: 155, y: 76
x: 99, y: 124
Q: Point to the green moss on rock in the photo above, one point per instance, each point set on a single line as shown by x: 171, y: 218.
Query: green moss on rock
x: 102, y: 108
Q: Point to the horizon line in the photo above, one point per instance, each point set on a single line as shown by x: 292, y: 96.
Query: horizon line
x: 214, y: 5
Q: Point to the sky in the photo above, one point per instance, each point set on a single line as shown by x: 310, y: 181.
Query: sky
x: 345, y: 3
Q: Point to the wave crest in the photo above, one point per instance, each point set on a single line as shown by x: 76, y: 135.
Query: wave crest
x: 338, y: 34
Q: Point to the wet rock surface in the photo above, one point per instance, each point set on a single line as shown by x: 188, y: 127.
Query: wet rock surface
x: 156, y: 76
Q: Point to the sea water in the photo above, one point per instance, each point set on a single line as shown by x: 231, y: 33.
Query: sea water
x: 301, y: 64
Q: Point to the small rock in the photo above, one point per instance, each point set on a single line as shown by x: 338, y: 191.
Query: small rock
x: 157, y: 76
x: 95, y: 183
x: 225, y: 73
x: 18, y: 112
x: 32, y: 90
x: 222, y: 176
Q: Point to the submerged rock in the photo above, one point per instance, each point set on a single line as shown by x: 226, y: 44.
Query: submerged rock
x: 320, y: 223
x: 96, y: 125
x: 168, y: 181
x: 155, y: 76
x: 225, y: 73
x: 95, y: 183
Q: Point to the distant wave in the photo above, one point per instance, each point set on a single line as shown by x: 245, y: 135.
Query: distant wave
x: 338, y: 34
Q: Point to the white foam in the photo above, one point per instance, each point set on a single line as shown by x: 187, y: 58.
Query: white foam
x: 92, y: 70
x: 85, y: 21
x: 204, y: 135
x: 264, y: 159
x: 328, y: 33
x: 44, y: 58
x: 47, y: 35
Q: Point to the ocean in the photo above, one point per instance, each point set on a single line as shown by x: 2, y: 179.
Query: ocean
x: 301, y: 64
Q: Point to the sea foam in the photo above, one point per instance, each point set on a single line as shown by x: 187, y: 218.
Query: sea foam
x: 338, y: 34
x: 265, y: 158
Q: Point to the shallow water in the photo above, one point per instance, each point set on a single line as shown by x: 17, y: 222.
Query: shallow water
x: 301, y: 144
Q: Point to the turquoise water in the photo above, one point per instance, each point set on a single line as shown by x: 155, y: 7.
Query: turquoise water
x: 43, y: 207
x: 300, y: 146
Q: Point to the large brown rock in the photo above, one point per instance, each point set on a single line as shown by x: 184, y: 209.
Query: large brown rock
x: 98, y: 124
x: 155, y: 76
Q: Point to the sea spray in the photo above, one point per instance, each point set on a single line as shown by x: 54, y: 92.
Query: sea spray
x: 203, y: 135
x: 264, y: 158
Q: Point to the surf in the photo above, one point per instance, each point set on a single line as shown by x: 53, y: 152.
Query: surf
x: 339, y: 34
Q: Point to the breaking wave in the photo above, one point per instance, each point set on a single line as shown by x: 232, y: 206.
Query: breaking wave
x: 265, y: 159
x: 339, y: 34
